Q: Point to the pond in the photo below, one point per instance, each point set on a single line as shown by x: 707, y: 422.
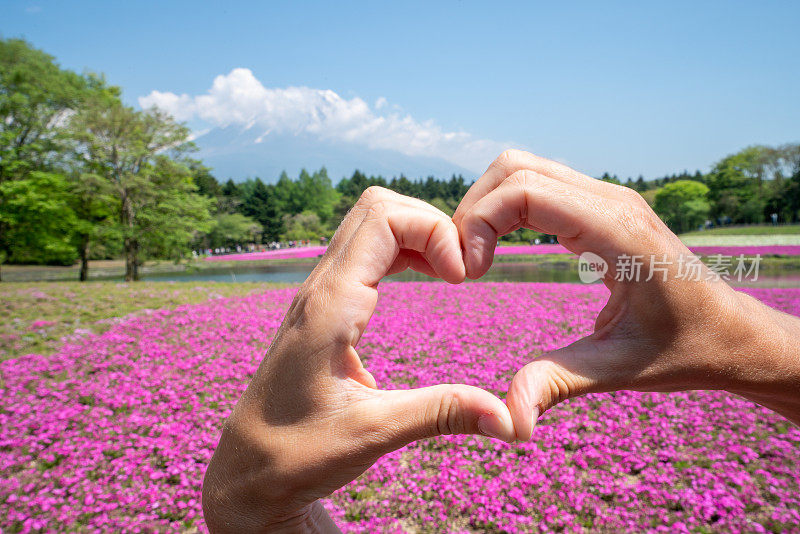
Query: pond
x: 298, y: 272
x: 290, y: 273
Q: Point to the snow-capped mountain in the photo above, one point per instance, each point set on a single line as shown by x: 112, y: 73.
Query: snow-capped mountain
x: 239, y: 153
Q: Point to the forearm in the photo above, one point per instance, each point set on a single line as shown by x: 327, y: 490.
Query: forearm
x: 772, y: 376
x: 244, y: 490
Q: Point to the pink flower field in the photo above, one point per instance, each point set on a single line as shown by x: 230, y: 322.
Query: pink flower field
x: 535, y: 250
x: 114, y: 431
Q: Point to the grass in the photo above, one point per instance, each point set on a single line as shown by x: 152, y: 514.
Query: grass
x: 37, y: 316
x: 756, y: 229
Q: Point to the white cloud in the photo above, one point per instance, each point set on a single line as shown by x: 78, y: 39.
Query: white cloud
x: 199, y: 133
x: 238, y: 98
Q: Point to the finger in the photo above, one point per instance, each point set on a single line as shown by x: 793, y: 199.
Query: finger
x: 342, y: 290
x: 586, y: 366
x: 410, y: 259
x: 532, y: 200
x: 368, y: 197
x: 396, y: 418
x: 512, y: 161
x: 390, y: 227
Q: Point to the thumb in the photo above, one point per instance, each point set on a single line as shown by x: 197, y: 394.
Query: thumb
x: 584, y: 367
x: 409, y: 415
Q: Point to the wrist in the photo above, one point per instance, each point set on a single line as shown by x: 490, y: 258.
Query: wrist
x: 311, y: 519
x: 768, y: 364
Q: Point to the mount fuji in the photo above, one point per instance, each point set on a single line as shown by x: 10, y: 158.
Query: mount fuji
x: 239, y: 153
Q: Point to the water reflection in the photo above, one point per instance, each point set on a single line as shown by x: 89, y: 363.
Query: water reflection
x: 512, y: 272
x: 291, y: 273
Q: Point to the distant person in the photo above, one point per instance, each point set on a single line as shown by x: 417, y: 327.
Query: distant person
x: 312, y: 418
x: 774, y: 219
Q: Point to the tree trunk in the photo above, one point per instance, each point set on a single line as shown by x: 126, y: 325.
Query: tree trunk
x: 135, y: 261
x: 3, y: 255
x: 84, y: 252
x: 130, y: 260
x: 129, y: 243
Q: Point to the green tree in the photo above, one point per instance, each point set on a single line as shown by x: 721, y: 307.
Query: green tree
x: 262, y: 205
x: 736, y: 186
x: 174, y: 215
x: 316, y: 193
x: 91, y: 194
x: 304, y: 225
x: 442, y: 205
x: 355, y: 185
x: 287, y: 197
x: 232, y: 229
x: 456, y: 188
x: 230, y: 198
x: 138, y: 154
x: 683, y: 204
x: 207, y: 184
x: 786, y: 198
x: 36, y: 98
x: 38, y: 219
x: 402, y: 185
x: 92, y: 201
x: 610, y: 179
x: 783, y: 165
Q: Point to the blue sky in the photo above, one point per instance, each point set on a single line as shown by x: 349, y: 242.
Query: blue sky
x: 630, y: 87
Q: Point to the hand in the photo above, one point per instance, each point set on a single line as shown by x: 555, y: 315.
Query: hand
x: 311, y: 419
x: 658, y: 334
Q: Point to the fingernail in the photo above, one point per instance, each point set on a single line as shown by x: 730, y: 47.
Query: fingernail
x: 490, y: 425
x: 472, y: 258
x: 534, y: 418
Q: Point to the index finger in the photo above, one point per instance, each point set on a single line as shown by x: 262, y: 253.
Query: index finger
x: 344, y: 286
x: 534, y: 201
x: 512, y: 161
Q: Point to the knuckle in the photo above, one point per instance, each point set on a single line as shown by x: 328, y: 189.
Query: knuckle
x: 635, y: 216
x: 557, y: 389
x: 311, y: 300
x: 507, y: 157
x: 450, y: 419
x: 377, y: 209
x: 372, y: 194
x: 523, y: 178
x: 557, y: 385
x: 629, y: 218
x: 632, y: 196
